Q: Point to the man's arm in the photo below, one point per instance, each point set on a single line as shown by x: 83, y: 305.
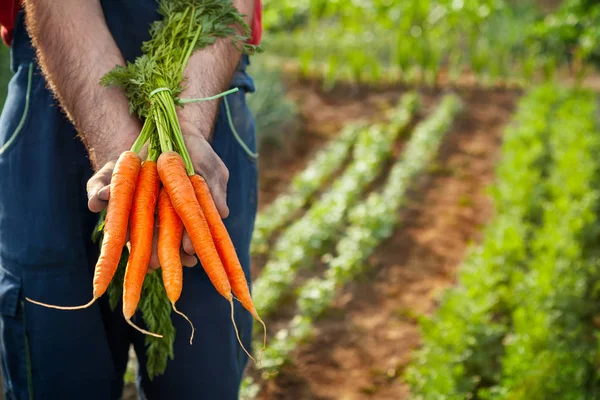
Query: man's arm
x: 75, y: 49
x: 209, y: 72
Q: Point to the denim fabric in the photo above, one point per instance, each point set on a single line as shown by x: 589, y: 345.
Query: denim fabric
x: 46, y: 252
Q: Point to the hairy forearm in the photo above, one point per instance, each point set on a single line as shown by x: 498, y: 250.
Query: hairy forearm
x: 209, y: 72
x: 75, y: 49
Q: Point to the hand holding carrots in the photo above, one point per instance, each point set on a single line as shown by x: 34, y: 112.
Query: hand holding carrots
x: 186, y: 202
x: 98, y: 188
x: 180, y: 163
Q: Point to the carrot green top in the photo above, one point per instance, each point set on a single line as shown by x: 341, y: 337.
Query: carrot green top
x: 187, y: 25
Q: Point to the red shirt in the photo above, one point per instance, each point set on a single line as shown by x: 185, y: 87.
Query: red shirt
x: 10, y: 8
x: 8, y: 14
x: 257, y: 23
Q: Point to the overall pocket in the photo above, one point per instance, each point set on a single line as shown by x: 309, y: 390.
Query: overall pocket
x: 16, y: 369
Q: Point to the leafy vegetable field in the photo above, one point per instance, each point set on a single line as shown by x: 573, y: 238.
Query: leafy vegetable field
x: 346, y: 323
x: 520, y: 324
x: 508, y: 202
x: 464, y: 265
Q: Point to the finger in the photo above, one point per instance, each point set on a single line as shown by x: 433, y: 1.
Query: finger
x: 210, y: 166
x: 96, y: 205
x: 96, y: 184
x: 144, y: 152
x: 152, y: 268
x: 154, y: 263
x: 187, y: 260
x: 218, y: 190
x: 100, y: 179
x: 187, y: 245
x: 104, y: 193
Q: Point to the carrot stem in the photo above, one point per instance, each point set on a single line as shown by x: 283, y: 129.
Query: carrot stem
x: 171, y: 113
x: 153, y: 151
x: 217, y: 96
x: 143, y: 137
x: 162, y: 128
x: 190, y: 49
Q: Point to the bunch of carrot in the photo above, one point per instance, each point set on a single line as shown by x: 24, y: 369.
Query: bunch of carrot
x: 166, y: 181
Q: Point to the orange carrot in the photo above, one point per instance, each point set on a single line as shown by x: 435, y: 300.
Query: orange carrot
x: 122, y: 187
x: 225, y: 247
x: 173, y: 175
x: 170, y: 233
x: 181, y: 192
x: 141, y: 232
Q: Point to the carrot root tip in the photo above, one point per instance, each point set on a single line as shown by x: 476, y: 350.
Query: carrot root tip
x: 68, y: 308
x: 145, y: 332
x: 187, y: 319
x: 262, y: 353
x: 237, y: 334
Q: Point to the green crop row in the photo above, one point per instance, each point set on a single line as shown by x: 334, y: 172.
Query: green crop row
x: 550, y: 351
x: 411, y: 41
x: 518, y: 325
x: 462, y: 343
x: 306, y: 237
x: 322, y: 167
x: 371, y: 222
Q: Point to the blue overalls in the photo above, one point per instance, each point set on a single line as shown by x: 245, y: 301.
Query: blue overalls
x: 46, y: 252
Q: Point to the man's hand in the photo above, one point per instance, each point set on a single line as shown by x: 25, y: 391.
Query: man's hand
x: 98, y: 188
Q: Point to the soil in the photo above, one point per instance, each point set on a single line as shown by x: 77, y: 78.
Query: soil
x: 364, y: 344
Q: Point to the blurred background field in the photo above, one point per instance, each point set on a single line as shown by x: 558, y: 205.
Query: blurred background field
x: 429, y: 204
x: 4, y: 71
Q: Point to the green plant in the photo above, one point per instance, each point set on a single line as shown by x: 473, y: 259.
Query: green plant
x: 462, y: 343
x: 370, y: 222
x: 304, y: 185
x: 413, y: 41
x: 273, y: 112
x: 551, y: 350
x: 571, y: 33
x: 5, y: 73
x: 519, y: 325
x: 306, y: 237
